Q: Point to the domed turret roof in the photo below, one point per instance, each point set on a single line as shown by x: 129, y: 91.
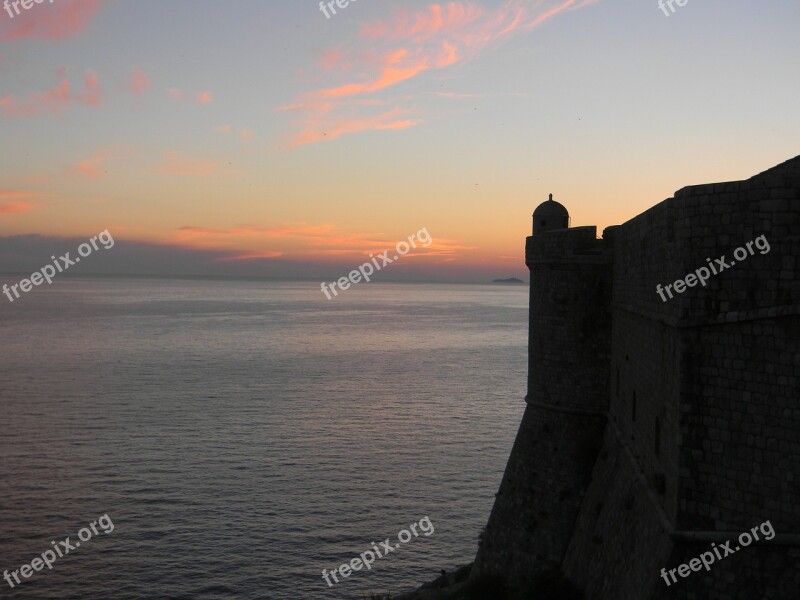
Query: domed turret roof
x: 550, y: 210
x: 549, y: 216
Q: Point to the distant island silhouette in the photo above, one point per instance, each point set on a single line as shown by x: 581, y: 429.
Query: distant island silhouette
x: 509, y: 280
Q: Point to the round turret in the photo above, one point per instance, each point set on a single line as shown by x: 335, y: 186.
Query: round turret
x: 550, y: 215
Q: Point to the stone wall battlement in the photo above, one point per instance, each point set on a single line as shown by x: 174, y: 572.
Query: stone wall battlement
x: 653, y: 425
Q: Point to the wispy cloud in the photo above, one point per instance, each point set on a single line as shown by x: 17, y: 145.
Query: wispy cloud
x: 321, y: 126
x: 178, y: 164
x: 244, y: 132
x: 139, y: 82
x: 245, y: 242
x: 17, y: 201
x: 56, y: 98
x: 10, y: 208
x: 301, y: 241
x: 199, y: 98
x: 401, y: 49
x: 50, y: 21
x: 94, y: 166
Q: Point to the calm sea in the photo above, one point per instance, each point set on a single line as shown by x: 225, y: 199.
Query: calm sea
x: 242, y: 436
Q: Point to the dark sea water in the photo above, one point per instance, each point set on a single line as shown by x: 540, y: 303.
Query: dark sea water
x: 243, y: 436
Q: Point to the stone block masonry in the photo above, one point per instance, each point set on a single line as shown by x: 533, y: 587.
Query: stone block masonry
x: 656, y: 428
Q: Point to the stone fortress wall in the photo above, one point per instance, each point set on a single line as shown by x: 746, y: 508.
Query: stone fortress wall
x: 653, y: 428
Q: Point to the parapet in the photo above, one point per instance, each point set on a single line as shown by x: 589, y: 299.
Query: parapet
x: 578, y: 244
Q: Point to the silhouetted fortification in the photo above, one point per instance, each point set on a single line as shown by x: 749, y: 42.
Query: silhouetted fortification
x: 656, y: 428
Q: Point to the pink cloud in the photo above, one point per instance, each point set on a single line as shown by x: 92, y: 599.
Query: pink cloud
x: 199, y: 98
x: 94, y: 166
x: 92, y: 93
x: 331, y: 58
x: 17, y: 201
x: 246, y: 242
x: 302, y: 240
x: 420, y: 26
x: 244, y: 133
x: 9, y: 195
x: 56, y: 98
x: 329, y: 129
x: 177, y: 164
x: 404, y: 48
x: 396, y: 66
x: 10, y: 208
x: 139, y: 82
x: 49, y: 21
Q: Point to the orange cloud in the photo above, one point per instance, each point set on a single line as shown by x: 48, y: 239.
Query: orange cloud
x: 199, y: 98
x: 17, y: 201
x: 93, y: 166
x: 9, y: 208
x: 245, y: 242
x: 139, y: 82
x: 177, y: 164
x: 331, y: 58
x: 17, y: 194
x: 244, y: 133
x: 421, y: 26
x: 215, y: 236
x: 397, y: 66
x: 248, y: 242
x: 331, y: 129
x: 403, y: 48
x: 92, y: 93
x: 55, y: 99
x: 247, y: 235
x: 50, y: 21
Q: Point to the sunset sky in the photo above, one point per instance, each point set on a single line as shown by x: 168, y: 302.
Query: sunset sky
x: 259, y: 137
